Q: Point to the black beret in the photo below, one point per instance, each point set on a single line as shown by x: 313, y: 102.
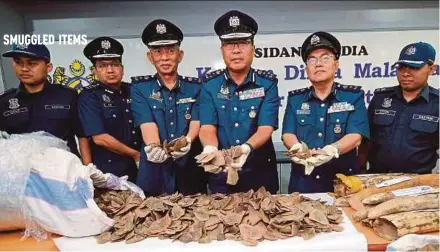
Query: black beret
x: 103, y: 47
x: 320, y: 40
x: 161, y: 32
x: 235, y: 25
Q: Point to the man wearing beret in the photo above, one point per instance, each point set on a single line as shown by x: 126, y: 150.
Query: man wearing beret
x: 404, y: 119
x: 104, y: 110
x: 165, y: 107
x: 240, y: 108
x: 327, y: 115
x: 37, y: 105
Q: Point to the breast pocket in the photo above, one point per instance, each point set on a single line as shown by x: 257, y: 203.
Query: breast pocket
x: 305, y: 128
x: 382, y: 125
x: 184, y: 111
x: 338, y: 124
x: 158, y: 110
x: 429, y: 125
x: 58, y: 114
x: 16, y: 117
x: 250, y: 112
x: 223, y: 109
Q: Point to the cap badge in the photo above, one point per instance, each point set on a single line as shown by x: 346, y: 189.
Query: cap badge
x: 105, y: 44
x: 387, y: 102
x: 315, y: 40
x: 22, y: 46
x: 13, y: 103
x: 410, y: 51
x: 161, y: 29
x: 234, y: 21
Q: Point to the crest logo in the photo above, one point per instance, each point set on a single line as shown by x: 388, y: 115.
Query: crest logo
x: 161, y: 29
x: 234, y: 21
x: 315, y: 40
x: 106, y: 98
x: 13, y: 103
x: 105, y: 44
x: 22, y: 46
x: 410, y: 51
x: 387, y: 102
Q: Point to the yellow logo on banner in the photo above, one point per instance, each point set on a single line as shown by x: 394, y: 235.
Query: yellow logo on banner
x: 76, y: 81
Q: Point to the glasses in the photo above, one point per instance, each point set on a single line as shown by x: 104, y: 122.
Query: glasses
x: 104, y: 66
x: 325, y: 59
x: 240, y: 45
x: 164, y: 50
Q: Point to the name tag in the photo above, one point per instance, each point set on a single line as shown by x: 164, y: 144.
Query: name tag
x: 428, y: 118
x: 303, y: 112
x: 56, y: 106
x: 186, y: 100
x: 251, y: 93
x: 223, y: 96
x: 15, y: 111
x: 385, y: 112
x: 340, y: 107
x: 109, y: 105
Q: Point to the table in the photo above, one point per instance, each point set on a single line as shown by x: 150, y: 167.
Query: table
x: 11, y: 240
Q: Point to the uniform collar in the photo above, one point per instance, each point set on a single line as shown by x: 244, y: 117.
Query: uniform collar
x: 333, y: 93
x: 112, y: 90
x: 424, y: 93
x: 160, y: 85
x: 250, y: 78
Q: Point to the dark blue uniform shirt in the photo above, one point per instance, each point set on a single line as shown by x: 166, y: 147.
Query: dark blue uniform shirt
x: 319, y: 123
x: 104, y: 109
x: 172, y: 111
x: 53, y: 110
x: 404, y: 134
x: 237, y: 111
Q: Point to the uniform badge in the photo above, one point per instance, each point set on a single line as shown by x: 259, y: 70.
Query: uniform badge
x: 224, y: 90
x: 234, y: 21
x: 305, y: 106
x: 13, y: 103
x: 155, y: 96
x: 106, y: 98
x: 22, y: 46
x: 387, y: 102
x: 161, y: 29
x: 410, y: 51
x: 315, y: 40
x: 337, y: 129
x: 187, y: 116
x: 105, y: 44
x: 252, y: 114
x: 251, y: 93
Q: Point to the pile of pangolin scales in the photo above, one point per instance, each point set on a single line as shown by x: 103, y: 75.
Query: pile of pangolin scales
x: 249, y: 217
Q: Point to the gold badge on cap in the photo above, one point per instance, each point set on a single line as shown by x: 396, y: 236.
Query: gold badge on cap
x: 337, y: 129
x: 252, y: 114
x: 187, y: 116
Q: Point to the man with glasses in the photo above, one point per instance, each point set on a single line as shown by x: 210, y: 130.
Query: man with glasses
x: 37, y: 105
x: 326, y: 115
x: 165, y: 107
x: 404, y: 119
x: 104, y: 110
x: 240, y: 108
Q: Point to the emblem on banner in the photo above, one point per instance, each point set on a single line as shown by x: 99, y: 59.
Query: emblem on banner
x: 337, y: 129
x: 315, y: 40
x: 387, y: 102
x: 106, y: 98
x: 410, y: 51
x: 13, y: 103
x: 234, y: 21
x: 161, y: 29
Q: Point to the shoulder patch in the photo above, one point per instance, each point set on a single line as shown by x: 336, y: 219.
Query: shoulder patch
x: 384, y: 89
x: 298, y: 91
x: 6, y: 92
x: 433, y: 91
x: 213, y: 74
x: 349, y: 88
x: 192, y: 79
x: 137, y: 79
x: 266, y: 74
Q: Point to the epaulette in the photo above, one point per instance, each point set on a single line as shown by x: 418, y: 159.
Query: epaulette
x: 213, y: 74
x: 192, y: 79
x: 384, y: 89
x: 91, y: 86
x: 4, y: 93
x: 298, y: 91
x: 350, y: 88
x: 266, y: 74
x: 433, y: 91
x: 137, y: 79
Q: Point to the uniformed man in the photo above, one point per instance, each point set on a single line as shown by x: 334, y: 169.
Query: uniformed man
x: 240, y: 108
x: 404, y: 119
x: 165, y: 106
x: 104, y: 110
x: 326, y: 115
x: 37, y: 105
